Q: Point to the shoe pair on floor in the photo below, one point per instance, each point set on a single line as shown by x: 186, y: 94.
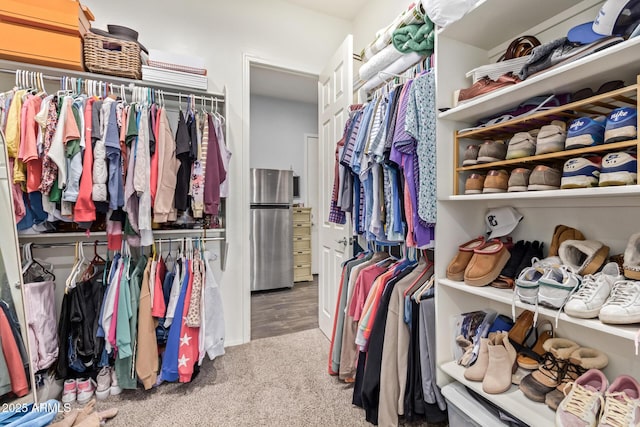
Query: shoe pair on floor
x: 592, y: 402
x: 84, y: 389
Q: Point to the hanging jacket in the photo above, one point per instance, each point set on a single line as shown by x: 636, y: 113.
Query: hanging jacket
x: 215, y: 173
x: 84, y: 210
x: 147, y: 347
x: 170, y: 359
x: 19, y: 384
x: 213, y: 315
x: 168, y: 166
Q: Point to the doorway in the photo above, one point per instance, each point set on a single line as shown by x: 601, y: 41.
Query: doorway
x: 283, y: 112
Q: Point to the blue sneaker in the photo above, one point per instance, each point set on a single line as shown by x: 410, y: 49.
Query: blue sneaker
x: 618, y: 169
x: 585, y: 132
x: 621, y: 125
x: 581, y: 172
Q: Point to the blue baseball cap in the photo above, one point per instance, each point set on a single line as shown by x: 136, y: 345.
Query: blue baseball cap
x: 614, y: 19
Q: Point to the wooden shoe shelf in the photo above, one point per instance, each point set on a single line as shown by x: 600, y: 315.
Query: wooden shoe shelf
x: 601, y: 104
x: 606, y: 214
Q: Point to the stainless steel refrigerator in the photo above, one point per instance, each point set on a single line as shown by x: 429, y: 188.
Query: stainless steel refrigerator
x: 271, y: 229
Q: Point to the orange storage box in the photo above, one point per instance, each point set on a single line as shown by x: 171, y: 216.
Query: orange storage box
x: 39, y: 46
x: 45, y: 33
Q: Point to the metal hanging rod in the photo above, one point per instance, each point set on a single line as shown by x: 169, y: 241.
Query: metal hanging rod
x: 104, y: 243
x: 130, y: 87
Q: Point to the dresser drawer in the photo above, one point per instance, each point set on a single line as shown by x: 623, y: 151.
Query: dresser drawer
x: 301, y: 230
x: 301, y: 258
x: 302, y: 215
x: 301, y: 244
x: 302, y: 273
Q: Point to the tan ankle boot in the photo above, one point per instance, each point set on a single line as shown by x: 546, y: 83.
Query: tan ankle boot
x: 502, y: 359
x: 476, y: 371
x: 579, y: 362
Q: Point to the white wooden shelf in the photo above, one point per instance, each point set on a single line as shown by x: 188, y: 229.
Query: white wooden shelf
x: 614, y: 191
x: 58, y: 72
x: 512, y: 17
x: 513, y: 401
x: 590, y: 71
x: 505, y: 296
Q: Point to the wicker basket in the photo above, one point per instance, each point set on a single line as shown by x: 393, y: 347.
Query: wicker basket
x: 115, y: 57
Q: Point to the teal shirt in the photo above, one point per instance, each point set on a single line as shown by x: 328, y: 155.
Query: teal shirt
x: 125, y: 361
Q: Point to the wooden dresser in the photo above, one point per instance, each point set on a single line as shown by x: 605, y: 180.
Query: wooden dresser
x: 302, y: 245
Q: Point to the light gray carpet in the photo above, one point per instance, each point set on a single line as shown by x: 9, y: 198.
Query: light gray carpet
x: 278, y: 381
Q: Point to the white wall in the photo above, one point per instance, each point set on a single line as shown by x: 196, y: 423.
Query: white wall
x: 278, y: 127
x: 223, y: 32
x: 374, y: 16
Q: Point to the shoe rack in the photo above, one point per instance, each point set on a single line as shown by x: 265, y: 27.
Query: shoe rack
x: 597, y: 105
x: 606, y: 214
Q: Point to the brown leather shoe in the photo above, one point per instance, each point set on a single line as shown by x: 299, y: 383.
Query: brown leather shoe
x: 456, y: 268
x: 474, y: 184
x: 486, y: 263
x: 497, y: 181
x: 487, y: 85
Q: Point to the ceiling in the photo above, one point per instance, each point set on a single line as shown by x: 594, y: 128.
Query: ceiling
x: 284, y: 85
x: 344, y: 9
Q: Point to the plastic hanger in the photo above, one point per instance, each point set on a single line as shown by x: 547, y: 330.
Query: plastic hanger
x: 33, y: 267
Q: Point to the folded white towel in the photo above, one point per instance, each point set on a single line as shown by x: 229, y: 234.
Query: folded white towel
x: 401, y: 65
x: 379, y: 62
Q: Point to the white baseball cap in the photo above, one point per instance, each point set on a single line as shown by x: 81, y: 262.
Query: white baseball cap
x: 502, y: 221
x: 614, y: 18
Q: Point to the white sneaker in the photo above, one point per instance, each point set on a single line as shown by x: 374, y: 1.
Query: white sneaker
x: 587, y: 301
x: 556, y: 285
x: 581, y: 407
x: 623, y: 305
x: 86, y: 389
x: 69, y: 391
x: 104, y: 383
x: 526, y: 289
x: 115, y: 388
x: 622, y: 405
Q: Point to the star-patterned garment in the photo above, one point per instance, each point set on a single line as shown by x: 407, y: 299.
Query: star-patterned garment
x: 172, y: 351
x: 188, y: 351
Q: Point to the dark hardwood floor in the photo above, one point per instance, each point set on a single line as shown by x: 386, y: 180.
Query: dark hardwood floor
x: 284, y: 311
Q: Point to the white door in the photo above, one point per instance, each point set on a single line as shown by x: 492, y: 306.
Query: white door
x: 335, y: 95
x: 313, y: 176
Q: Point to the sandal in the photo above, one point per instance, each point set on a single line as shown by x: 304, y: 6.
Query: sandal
x: 521, y: 330
x: 529, y: 358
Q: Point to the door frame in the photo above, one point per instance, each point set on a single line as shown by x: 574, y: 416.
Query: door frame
x: 314, y: 243
x: 249, y: 60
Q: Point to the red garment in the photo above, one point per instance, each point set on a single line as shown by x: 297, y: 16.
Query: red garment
x: 17, y: 375
x: 28, y: 153
x: 361, y: 290
x: 154, y: 160
x: 84, y: 209
x: 159, y: 308
x: 188, y: 352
